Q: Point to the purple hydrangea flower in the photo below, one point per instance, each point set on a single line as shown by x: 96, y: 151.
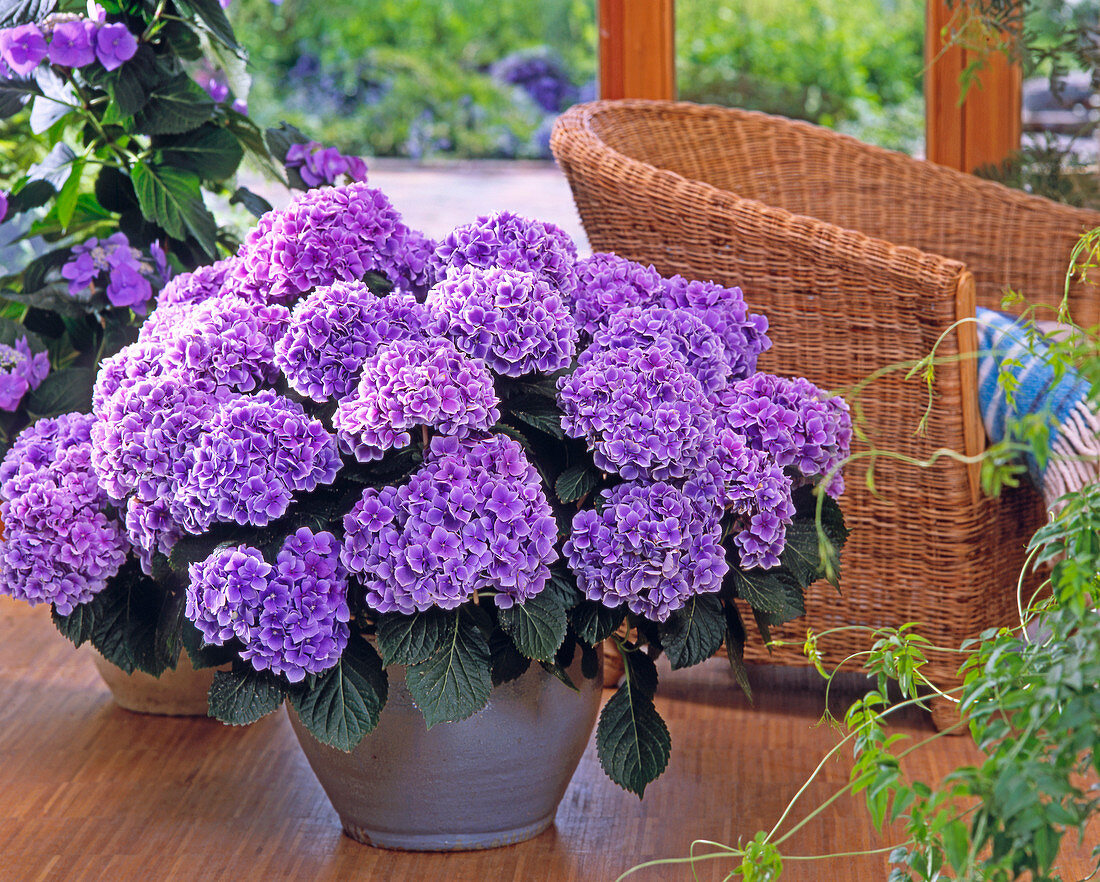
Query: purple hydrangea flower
x: 224, y: 341
x: 291, y: 616
x: 214, y: 84
x: 641, y: 411
x: 337, y: 328
x: 256, y: 453
x: 114, y: 45
x: 677, y: 330
x: 198, y: 285
x: 225, y: 591
x: 20, y: 371
x: 653, y: 547
x: 60, y: 545
x: 757, y: 490
x: 410, y: 383
x: 22, y: 48
x: 127, y: 273
x: 302, y: 624
x: 72, y: 44
x: 332, y: 234
x: 793, y: 420
x: 512, y: 320
x: 473, y: 518
x: 607, y: 283
x: 743, y: 334
x: 128, y: 287
x: 507, y: 241
x: 320, y: 165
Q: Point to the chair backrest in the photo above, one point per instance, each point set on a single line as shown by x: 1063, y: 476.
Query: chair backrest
x: 1006, y: 238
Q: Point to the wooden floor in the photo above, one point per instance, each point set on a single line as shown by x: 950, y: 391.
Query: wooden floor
x: 89, y: 791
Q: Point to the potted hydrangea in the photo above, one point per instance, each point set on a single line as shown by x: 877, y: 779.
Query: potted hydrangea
x: 412, y: 487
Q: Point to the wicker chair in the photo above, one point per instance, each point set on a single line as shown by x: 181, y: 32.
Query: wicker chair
x: 861, y: 258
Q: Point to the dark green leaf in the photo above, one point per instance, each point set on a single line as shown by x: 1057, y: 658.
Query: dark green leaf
x: 168, y: 641
x: 563, y: 584
x: 537, y: 412
x: 244, y: 695
x: 344, y: 704
x: 11, y: 332
x: 537, y: 626
x: 211, y: 14
x: 559, y: 673
x: 256, y: 205
x: 202, y: 654
x: 694, y: 633
x: 774, y: 593
x: 176, y: 106
x: 735, y: 647
x: 114, y: 190
x: 576, y: 482
x: 211, y: 151
x: 32, y: 194
x: 78, y: 626
x: 280, y: 138
x: 172, y: 198
x: 507, y: 663
x: 64, y: 391
x: 455, y: 682
x: 632, y: 741
x: 409, y: 640
x: 131, y: 85
x: 590, y: 662
x: 641, y: 671
x: 183, y: 40
x: 594, y: 622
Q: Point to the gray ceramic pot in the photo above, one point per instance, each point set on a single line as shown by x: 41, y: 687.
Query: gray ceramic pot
x: 494, y: 779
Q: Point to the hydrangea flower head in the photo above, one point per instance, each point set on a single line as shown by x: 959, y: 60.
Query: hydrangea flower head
x: 338, y: 327
x: 410, y: 383
x: 512, y: 320
x: 201, y: 284
x: 223, y: 595
x: 678, y: 330
x: 641, y: 411
x: 60, y: 544
x: 20, y: 371
x: 473, y: 518
x: 332, y: 234
x: 607, y: 283
x: 128, y: 274
x: 793, y: 420
x: 256, y: 453
x: 743, y: 334
x: 509, y: 241
x: 653, y: 547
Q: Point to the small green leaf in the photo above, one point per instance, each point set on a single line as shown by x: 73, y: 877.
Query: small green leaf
x: 537, y: 625
x: 774, y: 593
x: 66, y: 197
x: 176, y: 106
x: 172, y: 198
x: 694, y: 633
x: 344, y: 704
x: 257, y: 206
x: 537, y: 412
x: 244, y: 695
x: 63, y: 391
x: 411, y: 639
x: 735, y: 647
x: 455, y: 682
x: 203, y: 654
x: 213, y: 17
x: 576, y: 482
x: 594, y: 622
x: 632, y: 741
x: 211, y: 151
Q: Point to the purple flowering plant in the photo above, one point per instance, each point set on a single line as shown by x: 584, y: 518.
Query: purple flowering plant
x: 133, y: 119
x: 349, y: 449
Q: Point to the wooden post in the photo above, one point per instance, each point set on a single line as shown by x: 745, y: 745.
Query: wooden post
x: 985, y: 129
x: 637, y: 49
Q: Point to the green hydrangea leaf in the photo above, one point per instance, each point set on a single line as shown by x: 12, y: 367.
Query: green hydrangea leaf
x: 174, y: 107
x: 455, y: 682
x: 632, y: 741
x: 537, y: 626
x: 342, y: 706
x: 409, y: 640
x: 506, y: 662
x: 693, y: 634
x: 576, y: 482
x: 244, y: 695
x: 593, y: 622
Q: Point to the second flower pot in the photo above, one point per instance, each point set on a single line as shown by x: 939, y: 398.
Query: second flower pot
x: 178, y: 693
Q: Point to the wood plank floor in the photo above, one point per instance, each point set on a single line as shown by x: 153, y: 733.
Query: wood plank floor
x: 90, y: 792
